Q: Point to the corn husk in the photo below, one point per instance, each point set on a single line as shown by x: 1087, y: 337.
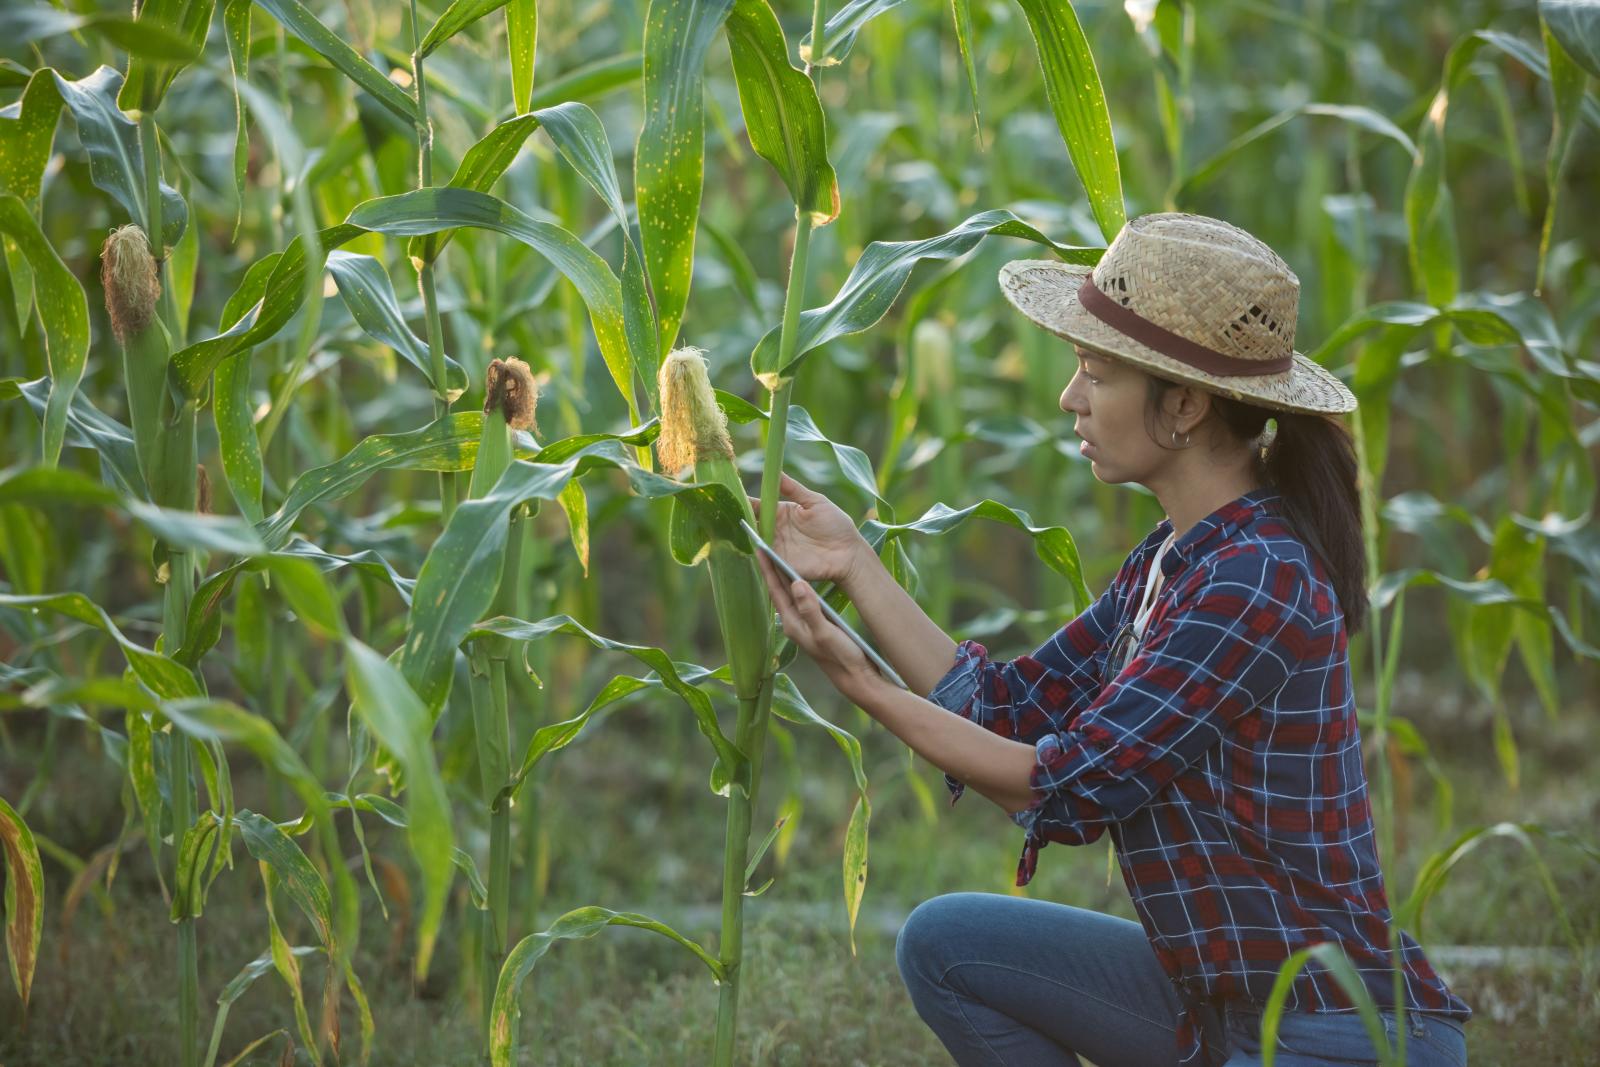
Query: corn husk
x: 694, y: 431
x: 132, y: 289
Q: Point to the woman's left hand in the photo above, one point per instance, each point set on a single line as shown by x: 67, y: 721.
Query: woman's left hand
x: 800, y: 612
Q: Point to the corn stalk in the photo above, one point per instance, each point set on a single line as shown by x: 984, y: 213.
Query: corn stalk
x: 509, y: 399
x: 694, y: 431
x: 171, y: 480
x: 425, y: 264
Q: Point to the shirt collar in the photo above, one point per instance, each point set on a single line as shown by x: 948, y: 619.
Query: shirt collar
x: 1214, y: 529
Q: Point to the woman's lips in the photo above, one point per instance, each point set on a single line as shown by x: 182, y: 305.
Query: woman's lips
x: 1086, y: 449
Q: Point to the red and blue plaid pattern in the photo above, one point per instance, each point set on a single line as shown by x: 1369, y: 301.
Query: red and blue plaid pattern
x: 1224, y: 760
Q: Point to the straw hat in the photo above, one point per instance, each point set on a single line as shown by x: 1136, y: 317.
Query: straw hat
x: 1189, y: 298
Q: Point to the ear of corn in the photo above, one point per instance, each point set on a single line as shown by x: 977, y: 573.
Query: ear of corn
x: 508, y: 404
x: 694, y: 430
x: 128, y: 273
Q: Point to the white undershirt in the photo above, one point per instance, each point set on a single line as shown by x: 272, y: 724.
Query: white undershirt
x: 1152, y: 586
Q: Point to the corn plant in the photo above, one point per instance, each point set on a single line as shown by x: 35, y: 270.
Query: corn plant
x: 530, y: 250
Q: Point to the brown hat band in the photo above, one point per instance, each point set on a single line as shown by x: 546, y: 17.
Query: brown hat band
x: 1166, y: 342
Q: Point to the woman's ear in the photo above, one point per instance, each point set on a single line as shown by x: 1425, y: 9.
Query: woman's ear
x: 1186, y: 404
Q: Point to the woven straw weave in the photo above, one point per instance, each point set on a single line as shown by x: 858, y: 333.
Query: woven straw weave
x: 1201, y: 278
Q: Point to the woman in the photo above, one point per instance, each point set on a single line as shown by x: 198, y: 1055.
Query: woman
x: 1201, y: 711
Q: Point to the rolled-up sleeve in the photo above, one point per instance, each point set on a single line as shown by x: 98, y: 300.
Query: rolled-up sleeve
x: 1033, y: 695
x: 1231, y: 636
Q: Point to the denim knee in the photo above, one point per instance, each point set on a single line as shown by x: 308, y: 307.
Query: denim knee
x: 923, y: 934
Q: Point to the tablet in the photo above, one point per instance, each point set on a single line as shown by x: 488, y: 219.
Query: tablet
x: 833, y: 616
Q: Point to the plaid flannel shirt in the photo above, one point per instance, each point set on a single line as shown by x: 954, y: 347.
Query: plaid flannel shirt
x: 1224, y: 760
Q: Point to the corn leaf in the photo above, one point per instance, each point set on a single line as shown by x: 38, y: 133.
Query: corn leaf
x: 457, y: 17
x: 1360, y: 117
x: 144, y: 37
x: 447, y: 444
x: 1072, y: 83
x: 961, y: 12
x: 231, y: 409
x: 1567, y: 80
x: 855, y: 862
x: 283, y: 863
x: 788, y: 702
x: 522, y: 34
x: 578, y: 134
x: 1429, y: 210
x: 64, y: 310
x: 285, y: 963
x: 24, y: 898
x: 395, y: 815
x: 878, y: 278
x: 89, y: 427
x: 191, y: 366
x: 369, y: 295
x: 588, y: 81
x: 170, y: 34
x: 457, y: 581
x: 53, y: 485
x: 669, y: 159
x: 400, y: 721
x: 580, y: 137
x: 1437, y: 868
x: 165, y: 677
x: 222, y: 721
x: 237, y: 444
x: 116, y: 160
x: 204, y: 627
x: 552, y: 737
x: 1053, y: 544
x: 1332, y: 958
x: 236, y: 32
x: 432, y: 210
x: 190, y: 880
x: 839, y: 32
x: 1575, y: 24
x: 330, y: 46
x: 236, y: 988
x: 782, y: 113
x: 577, y: 924
x: 142, y: 773
x: 179, y: 529
x: 190, y: 530
x: 575, y: 503
x: 270, y: 845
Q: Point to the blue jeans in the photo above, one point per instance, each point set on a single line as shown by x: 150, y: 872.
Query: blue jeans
x: 1009, y: 981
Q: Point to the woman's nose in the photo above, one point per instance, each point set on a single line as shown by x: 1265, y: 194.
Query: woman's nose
x: 1071, y: 401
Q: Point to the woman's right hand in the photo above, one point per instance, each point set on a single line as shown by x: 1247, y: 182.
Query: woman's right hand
x: 815, y: 535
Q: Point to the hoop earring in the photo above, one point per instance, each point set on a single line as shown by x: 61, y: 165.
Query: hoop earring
x: 1175, y: 440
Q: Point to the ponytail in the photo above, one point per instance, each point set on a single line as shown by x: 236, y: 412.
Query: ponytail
x: 1310, y: 460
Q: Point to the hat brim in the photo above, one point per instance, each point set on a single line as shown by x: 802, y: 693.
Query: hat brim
x: 1046, y: 291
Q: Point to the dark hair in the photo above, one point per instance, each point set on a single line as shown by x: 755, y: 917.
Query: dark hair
x: 1311, y: 461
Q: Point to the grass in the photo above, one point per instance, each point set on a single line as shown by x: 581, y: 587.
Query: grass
x: 102, y: 994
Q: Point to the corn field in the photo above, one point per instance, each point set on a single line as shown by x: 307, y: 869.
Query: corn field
x: 382, y: 386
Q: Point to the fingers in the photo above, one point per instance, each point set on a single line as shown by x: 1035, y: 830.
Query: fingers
x: 778, y: 589
x: 826, y: 640
x: 791, y: 489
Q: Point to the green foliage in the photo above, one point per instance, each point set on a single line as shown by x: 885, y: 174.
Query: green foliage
x: 1458, y: 297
